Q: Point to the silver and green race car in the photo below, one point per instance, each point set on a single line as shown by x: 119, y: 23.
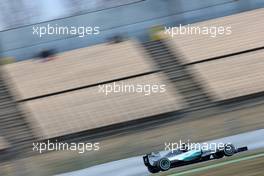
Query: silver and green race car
x: 164, y: 160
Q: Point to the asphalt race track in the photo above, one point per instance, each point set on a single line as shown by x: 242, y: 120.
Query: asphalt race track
x: 135, y: 166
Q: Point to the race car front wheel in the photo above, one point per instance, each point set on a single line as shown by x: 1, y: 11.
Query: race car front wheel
x: 153, y: 169
x: 229, y: 150
x: 164, y: 164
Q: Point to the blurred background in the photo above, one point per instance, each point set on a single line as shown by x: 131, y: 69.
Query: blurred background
x: 49, y: 85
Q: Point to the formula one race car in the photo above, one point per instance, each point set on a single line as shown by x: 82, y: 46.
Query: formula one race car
x: 164, y: 160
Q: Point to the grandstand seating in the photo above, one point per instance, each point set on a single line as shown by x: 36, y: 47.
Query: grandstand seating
x: 233, y: 76
x: 3, y: 143
x: 14, y: 127
x: 88, y: 108
x: 77, y: 68
x: 84, y: 109
x: 180, y: 76
x: 232, y: 65
x: 247, y: 33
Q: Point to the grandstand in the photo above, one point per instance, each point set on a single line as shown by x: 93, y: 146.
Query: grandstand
x: 78, y: 68
x: 182, y: 79
x: 233, y: 76
x: 14, y: 127
x: 228, y: 66
x: 247, y: 34
x: 61, y: 97
x: 87, y: 109
x: 3, y: 143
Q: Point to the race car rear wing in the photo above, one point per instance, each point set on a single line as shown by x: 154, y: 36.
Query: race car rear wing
x: 241, y: 149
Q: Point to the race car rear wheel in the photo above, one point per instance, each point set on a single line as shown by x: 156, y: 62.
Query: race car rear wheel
x: 229, y: 150
x: 164, y: 164
x: 206, y: 158
x: 218, y: 155
x: 153, y: 169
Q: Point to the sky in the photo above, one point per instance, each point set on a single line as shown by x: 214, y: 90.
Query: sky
x: 47, y: 10
x: 51, y: 9
x: 44, y: 10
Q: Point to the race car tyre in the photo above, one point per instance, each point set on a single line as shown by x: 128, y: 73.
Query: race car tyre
x: 153, y: 169
x: 206, y: 158
x: 164, y: 164
x: 229, y: 150
x: 218, y: 155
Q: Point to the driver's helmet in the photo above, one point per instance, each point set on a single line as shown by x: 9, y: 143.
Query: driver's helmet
x: 184, y: 147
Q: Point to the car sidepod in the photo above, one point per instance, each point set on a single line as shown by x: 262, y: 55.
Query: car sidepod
x: 188, y: 156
